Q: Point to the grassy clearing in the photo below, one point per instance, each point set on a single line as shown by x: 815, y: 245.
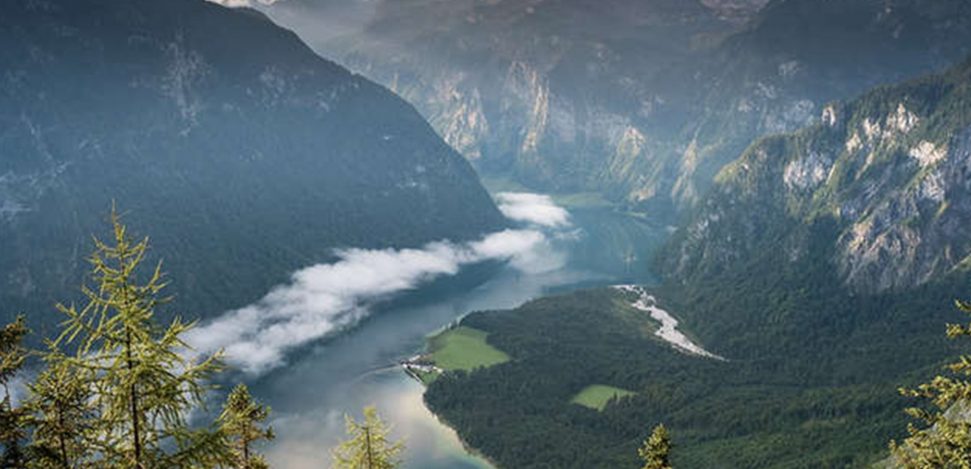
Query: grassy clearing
x: 427, y: 377
x: 464, y: 348
x: 596, y: 396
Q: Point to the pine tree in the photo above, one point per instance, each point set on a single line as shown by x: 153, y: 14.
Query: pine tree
x: 61, y: 412
x: 12, y: 357
x: 143, y: 384
x: 368, y: 446
x: 656, y: 450
x: 240, y: 422
x: 944, y: 439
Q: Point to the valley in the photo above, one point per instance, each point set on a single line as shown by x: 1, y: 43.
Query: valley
x: 819, y: 265
x: 642, y: 102
x: 359, y: 366
x: 530, y: 233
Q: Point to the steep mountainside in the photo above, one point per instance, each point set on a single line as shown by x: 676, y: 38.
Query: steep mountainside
x: 644, y: 101
x: 562, y: 95
x: 888, y: 175
x: 239, y: 150
x: 822, y: 266
x: 800, y: 54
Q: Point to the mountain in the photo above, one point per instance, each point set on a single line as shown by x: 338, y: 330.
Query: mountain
x: 886, y: 175
x: 642, y: 101
x: 797, y: 55
x: 835, y: 229
x: 823, y: 266
x: 243, y: 153
x: 563, y: 95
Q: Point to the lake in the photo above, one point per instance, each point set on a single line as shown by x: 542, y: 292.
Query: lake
x: 358, y: 367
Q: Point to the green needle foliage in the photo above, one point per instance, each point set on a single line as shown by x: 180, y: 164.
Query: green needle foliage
x: 240, y: 422
x: 120, y: 399
x: 368, y: 445
x: 62, y: 414
x: 944, y: 440
x: 12, y: 356
x: 143, y: 385
x: 656, y: 450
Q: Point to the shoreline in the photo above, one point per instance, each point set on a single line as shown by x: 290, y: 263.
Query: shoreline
x: 465, y: 445
x: 406, y: 366
x: 416, y: 364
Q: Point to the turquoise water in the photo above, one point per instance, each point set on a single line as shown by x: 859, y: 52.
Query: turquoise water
x: 341, y: 375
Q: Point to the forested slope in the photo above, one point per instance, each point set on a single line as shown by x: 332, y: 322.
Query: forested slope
x: 241, y: 151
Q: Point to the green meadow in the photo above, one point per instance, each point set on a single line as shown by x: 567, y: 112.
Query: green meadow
x: 464, y: 348
x: 597, y: 396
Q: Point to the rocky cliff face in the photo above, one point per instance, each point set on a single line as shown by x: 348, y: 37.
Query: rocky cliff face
x: 644, y: 101
x: 889, y: 173
x: 242, y: 153
x: 560, y: 95
x: 795, y: 56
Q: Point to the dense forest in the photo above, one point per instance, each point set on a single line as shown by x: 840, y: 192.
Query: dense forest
x: 819, y: 389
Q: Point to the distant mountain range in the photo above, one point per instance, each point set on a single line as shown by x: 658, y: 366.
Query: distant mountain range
x: 644, y: 101
x: 240, y: 151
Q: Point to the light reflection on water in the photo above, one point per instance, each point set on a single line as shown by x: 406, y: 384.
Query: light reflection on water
x: 342, y: 375
x: 310, y: 396
x: 430, y: 444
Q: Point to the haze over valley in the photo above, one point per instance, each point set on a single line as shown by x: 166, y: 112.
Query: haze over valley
x: 484, y: 233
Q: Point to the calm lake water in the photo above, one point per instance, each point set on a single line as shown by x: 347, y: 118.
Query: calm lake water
x: 310, y: 396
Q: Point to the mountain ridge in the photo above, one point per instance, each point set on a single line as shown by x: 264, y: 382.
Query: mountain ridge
x: 243, y: 153
x: 889, y: 169
x: 642, y: 104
